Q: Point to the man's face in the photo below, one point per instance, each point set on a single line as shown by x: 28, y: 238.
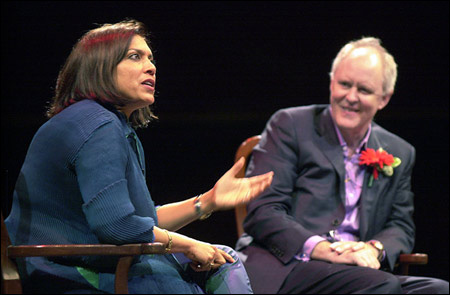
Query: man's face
x: 356, y: 91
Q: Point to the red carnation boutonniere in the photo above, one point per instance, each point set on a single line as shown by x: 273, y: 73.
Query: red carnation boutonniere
x: 380, y: 161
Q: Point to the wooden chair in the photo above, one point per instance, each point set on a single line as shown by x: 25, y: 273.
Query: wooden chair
x: 11, y: 283
x: 245, y: 150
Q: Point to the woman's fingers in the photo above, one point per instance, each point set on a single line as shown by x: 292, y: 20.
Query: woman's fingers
x: 262, y: 178
x: 237, y: 167
x: 230, y: 191
x: 258, y: 184
x: 197, y: 266
x: 221, y: 257
x: 226, y: 256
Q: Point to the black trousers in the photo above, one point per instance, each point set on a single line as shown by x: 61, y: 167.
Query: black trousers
x: 319, y: 277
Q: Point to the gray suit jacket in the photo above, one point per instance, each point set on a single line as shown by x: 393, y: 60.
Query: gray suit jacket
x: 307, y: 195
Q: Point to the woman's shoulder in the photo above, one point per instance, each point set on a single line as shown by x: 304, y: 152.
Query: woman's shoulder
x: 80, y: 120
x: 86, y: 115
x: 88, y: 111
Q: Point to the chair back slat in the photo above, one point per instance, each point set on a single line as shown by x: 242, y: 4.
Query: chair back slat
x: 244, y: 150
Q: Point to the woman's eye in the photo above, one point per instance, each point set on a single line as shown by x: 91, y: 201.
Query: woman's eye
x: 134, y: 56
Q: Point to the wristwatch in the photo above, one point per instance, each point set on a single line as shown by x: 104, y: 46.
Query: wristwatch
x: 377, y: 245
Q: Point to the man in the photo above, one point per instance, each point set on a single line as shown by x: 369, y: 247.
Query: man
x: 340, y: 205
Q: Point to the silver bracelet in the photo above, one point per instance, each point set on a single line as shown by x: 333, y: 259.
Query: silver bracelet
x: 198, y: 208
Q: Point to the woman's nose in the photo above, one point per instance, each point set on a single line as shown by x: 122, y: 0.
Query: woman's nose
x: 150, y: 67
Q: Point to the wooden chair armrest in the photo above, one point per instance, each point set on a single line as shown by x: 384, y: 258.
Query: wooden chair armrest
x: 125, y: 251
x: 405, y: 260
x: 85, y: 250
x: 414, y: 258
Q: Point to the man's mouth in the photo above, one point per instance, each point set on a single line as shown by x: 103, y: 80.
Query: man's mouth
x: 348, y: 109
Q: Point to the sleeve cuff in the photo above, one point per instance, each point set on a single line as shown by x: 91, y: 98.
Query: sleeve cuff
x: 308, y: 247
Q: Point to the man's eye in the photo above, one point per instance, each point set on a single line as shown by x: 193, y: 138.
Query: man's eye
x: 364, y: 91
x: 344, y: 84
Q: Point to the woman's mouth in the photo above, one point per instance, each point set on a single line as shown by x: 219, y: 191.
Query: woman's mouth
x: 149, y: 84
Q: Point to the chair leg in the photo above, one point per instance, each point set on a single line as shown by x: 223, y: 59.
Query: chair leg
x: 11, y: 287
x: 404, y: 269
x: 121, y: 280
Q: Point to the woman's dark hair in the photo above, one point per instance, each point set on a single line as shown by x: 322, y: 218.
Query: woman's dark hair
x: 90, y: 69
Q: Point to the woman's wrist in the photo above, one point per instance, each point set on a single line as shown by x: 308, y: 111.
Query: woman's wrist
x: 182, y: 243
x: 203, y: 205
x: 170, y: 241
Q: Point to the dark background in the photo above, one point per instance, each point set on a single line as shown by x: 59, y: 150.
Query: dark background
x: 223, y: 69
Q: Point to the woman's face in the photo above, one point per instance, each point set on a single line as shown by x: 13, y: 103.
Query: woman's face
x: 136, y: 76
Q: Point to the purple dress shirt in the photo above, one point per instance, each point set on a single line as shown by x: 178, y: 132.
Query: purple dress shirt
x: 354, y: 178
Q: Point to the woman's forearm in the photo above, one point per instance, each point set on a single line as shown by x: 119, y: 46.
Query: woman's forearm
x: 176, y: 215
x: 175, y: 243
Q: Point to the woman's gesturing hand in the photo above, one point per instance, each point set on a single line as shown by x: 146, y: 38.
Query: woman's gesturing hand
x: 230, y: 191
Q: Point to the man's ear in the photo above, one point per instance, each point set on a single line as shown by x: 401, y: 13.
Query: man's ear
x: 385, y: 100
x: 331, y: 82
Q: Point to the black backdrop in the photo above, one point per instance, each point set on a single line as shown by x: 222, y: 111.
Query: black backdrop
x: 223, y: 69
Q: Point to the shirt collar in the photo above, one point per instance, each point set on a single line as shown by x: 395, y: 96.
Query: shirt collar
x: 124, y: 121
x: 362, y: 145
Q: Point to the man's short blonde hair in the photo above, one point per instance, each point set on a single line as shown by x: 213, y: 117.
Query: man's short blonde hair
x: 389, y: 65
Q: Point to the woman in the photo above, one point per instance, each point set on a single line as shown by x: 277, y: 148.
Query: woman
x: 83, y: 181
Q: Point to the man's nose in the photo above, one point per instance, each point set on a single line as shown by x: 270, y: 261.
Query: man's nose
x: 352, y: 94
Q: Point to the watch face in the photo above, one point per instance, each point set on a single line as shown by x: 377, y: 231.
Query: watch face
x: 377, y: 245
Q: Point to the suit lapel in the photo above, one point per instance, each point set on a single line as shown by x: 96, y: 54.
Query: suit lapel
x: 370, y: 195
x: 328, y: 143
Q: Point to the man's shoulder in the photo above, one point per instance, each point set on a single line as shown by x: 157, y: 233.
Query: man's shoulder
x: 306, y: 112
x: 306, y: 109
x: 389, y: 136
x: 392, y: 143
